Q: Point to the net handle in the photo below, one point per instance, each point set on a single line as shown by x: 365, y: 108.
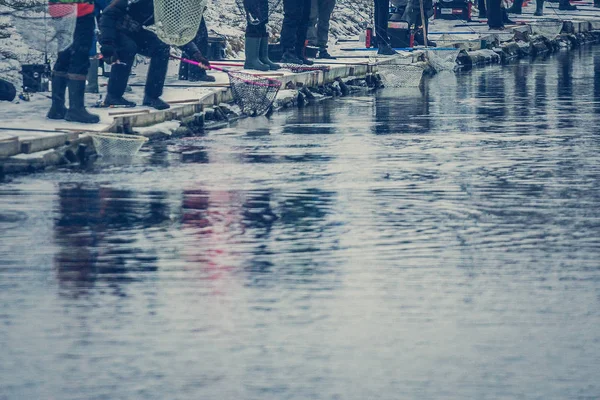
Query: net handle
x: 196, y: 63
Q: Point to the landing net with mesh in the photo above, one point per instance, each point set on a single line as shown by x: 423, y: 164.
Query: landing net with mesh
x: 253, y: 94
x: 177, y: 21
x: 399, y: 75
x: 45, y: 27
x: 117, y: 145
x: 442, y: 59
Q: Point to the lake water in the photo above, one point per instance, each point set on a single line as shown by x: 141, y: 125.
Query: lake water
x: 434, y: 244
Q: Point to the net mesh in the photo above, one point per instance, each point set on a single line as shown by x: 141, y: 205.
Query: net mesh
x: 548, y: 29
x: 442, y: 59
x: 43, y: 26
x: 177, y: 21
x: 400, y: 75
x: 253, y: 94
x: 117, y: 145
x: 303, y: 68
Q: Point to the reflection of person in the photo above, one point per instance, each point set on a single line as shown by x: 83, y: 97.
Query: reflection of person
x: 293, y: 31
x: 71, y: 67
x: 257, y: 37
x: 318, y: 26
x: 382, y: 14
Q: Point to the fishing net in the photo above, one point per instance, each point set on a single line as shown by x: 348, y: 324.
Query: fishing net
x: 45, y: 27
x: 442, y: 59
x: 117, y: 145
x: 253, y: 94
x: 548, y: 29
x: 401, y: 75
x: 177, y: 21
x: 296, y: 68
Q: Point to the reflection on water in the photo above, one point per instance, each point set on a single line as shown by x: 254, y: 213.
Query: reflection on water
x: 439, y: 244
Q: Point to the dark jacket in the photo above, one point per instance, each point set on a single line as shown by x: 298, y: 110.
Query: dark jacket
x: 129, y: 18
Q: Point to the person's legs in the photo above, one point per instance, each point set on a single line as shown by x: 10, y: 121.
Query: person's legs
x: 539, y: 8
x: 382, y: 10
x: 119, y: 72
x: 255, y: 30
x: 59, y: 85
x: 482, y: 9
x: 311, y: 34
x: 292, y: 16
x: 151, y: 46
x: 325, y: 10
x: 193, y: 73
x: 302, y: 29
x: 565, y: 5
x: 77, y: 72
x: 495, y: 14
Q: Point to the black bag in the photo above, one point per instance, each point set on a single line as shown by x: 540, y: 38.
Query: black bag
x: 8, y: 92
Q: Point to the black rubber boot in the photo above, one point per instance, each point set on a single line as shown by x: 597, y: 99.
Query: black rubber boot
x: 59, y: 88
x: 77, y: 111
x: 505, y: 18
x: 565, y: 5
x: 539, y: 8
x: 155, y: 102
x: 289, y: 57
x: 263, y: 54
x: 110, y: 100
x: 201, y: 76
x: 324, y: 54
x: 92, y: 76
x: 386, y: 50
x: 516, y: 8
x: 252, y: 61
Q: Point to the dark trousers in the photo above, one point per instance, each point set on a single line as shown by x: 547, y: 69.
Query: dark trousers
x: 147, y: 44
x: 318, y: 25
x: 495, y: 14
x: 257, y: 17
x: 382, y: 14
x: 295, y: 24
x: 75, y: 58
x: 192, y: 72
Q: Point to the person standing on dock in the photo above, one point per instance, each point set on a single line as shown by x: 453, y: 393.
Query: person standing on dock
x: 318, y: 26
x: 296, y: 14
x: 257, y: 37
x: 71, y: 67
x: 196, y: 50
x: 382, y: 14
x: 122, y: 36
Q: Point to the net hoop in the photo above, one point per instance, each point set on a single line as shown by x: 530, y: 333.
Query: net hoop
x: 45, y: 27
x: 117, y: 145
x: 177, y: 21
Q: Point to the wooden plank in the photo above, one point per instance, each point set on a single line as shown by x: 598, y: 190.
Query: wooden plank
x: 130, y: 112
x: 9, y: 146
x: 41, y: 143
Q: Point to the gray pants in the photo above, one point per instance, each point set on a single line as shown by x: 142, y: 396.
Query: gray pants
x: 318, y: 25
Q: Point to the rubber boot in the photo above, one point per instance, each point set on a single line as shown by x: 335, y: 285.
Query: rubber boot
x: 505, y: 18
x: 59, y: 88
x: 252, y: 61
x: 263, y: 54
x: 516, y: 8
x: 77, y: 111
x: 289, y: 57
x: 539, y: 8
x: 156, y: 103
x: 565, y: 5
x: 597, y: 3
x: 92, y: 76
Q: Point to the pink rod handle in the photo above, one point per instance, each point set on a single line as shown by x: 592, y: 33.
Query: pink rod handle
x: 196, y: 63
